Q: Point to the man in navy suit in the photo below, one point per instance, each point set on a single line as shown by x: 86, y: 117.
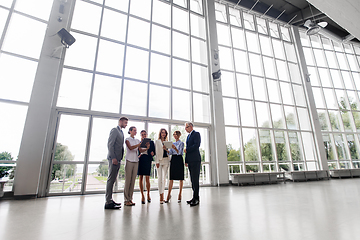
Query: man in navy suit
x: 193, y: 161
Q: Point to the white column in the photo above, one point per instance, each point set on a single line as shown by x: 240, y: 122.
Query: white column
x: 219, y: 170
x: 32, y: 154
x: 314, y: 118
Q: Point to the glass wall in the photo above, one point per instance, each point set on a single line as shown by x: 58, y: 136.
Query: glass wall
x: 22, y: 30
x: 335, y: 78
x: 143, y: 59
x: 266, y: 113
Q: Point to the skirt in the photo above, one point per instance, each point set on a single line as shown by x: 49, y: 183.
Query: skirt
x: 144, y: 165
x: 177, y: 168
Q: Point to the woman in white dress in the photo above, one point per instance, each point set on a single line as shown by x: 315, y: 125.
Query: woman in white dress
x: 162, y: 161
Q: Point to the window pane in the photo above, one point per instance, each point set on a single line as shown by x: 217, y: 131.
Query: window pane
x: 328, y: 144
x: 233, y: 143
x: 250, y: 146
x: 223, y: 34
x: 106, y: 94
x: 315, y: 41
x: 273, y: 90
x: 354, y: 66
x: 262, y: 114
x: 286, y: 93
x: 180, y: 45
x: 182, y: 3
x: 159, y: 102
x: 330, y: 57
x: 340, y: 146
x: 14, y: 84
x: 82, y: 53
x: 281, y: 149
x: 255, y: 64
x: 354, y: 152
x: 347, y: 80
x: 230, y: 111
x: 241, y: 61
x: 252, y: 42
x: 6, y: 3
x: 201, y: 106
x: 274, y: 31
x: 285, y: 33
x: 110, y: 58
x: 266, y: 145
x: 277, y: 117
x: 66, y: 178
x: 249, y: 21
x: 225, y: 58
x: 290, y: 117
x: 304, y: 119
x: 228, y: 86
x: 99, y: 135
x: 134, y: 105
x: 314, y: 79
x: 11, y: 128
x: 161, y: 12
x: 86, y: 17
x: 278, y: 49
x: 319, y: 57
x: 75, y: 89
x: 138, y: 32
x: 269, y: 67
x: 290, y: 52
x: 265, y: 45
x: 199, y: 51
x: 261, y: 25
x: 3, y: 17
x: 295, y: 146
x: 180, y: 20
x: 114, y: 20
x: 309, y: 146
x: 196, y: 6
x: 181, y: 74
x: 326, y: 43
x: 160, y: 69
x: 247, y: 113
x: 181, y: 105
x: 342, y: 60
x: 354, y: 104
x: 71, y: 138
x: 259, y: 88
x: 18, y: 38
x: 356, y: 77
x: 220, y: 12
x: 197, y: 26
x: 235, y: 18
x: 200, y: 78
x: 330, y: 99
x: 244, y: 86
x: 136, y: 65
x: 282, y: 70
x: 160, y: 39
x: 299, y: 95
x: 318, y: 97
x: 335, y: 120
x: 238, y: 38
x: 40, y: 9
x: 341, y: 99
x: 295, y: 73
x: 140, y: 8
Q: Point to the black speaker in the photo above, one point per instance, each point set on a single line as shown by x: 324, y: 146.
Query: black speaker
x: 66, y: 38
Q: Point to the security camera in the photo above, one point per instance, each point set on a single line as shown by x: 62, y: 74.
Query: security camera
x: 66, y: 38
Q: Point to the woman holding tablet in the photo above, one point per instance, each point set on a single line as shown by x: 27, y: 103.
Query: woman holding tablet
x: 176, y: 165
x: 162, y: 161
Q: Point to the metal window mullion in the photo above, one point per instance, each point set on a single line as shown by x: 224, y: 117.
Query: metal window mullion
x: 149, y: 65
x: 124, y: 63
x: 86, y: 157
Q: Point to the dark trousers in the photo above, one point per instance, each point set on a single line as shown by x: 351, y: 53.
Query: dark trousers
x: 194, y: 169
x: 113, y: 172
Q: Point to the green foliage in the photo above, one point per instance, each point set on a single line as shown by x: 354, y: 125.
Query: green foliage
x: 6, y: 171
x: 62, y: 153
x: 103, y: 169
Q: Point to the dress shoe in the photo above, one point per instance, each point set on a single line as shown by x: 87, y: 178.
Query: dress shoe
x: 119, y: 204
x: 188, y: 202
x: 194, y: 203
x: 111, y: 206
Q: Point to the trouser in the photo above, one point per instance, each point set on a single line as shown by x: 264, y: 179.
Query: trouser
x: 162, y: 175
x: 113, y: 172
x: 194, y: 169
x: 131, y: 169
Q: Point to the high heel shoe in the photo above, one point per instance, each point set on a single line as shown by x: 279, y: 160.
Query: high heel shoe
x: 168, y: 200
x: 179, y: 198
x: 149, y: 200
x: 143, y: 201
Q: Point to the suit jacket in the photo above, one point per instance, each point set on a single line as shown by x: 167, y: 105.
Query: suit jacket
x: 151, y: 149
x: 192, y: 148
x: 116, y: 144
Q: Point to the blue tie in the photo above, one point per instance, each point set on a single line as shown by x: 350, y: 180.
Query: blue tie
x: 187, y: 139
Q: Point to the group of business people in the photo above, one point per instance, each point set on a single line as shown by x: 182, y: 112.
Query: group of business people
x: 138, y: 161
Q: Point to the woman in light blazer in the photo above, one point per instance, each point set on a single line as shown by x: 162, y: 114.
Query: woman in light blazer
x: 162, y: 161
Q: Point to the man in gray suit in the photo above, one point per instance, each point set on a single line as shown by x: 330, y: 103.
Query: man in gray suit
x: 115, y: 154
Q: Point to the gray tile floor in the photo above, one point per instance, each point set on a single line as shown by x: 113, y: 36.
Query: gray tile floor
x: 306, y: 210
